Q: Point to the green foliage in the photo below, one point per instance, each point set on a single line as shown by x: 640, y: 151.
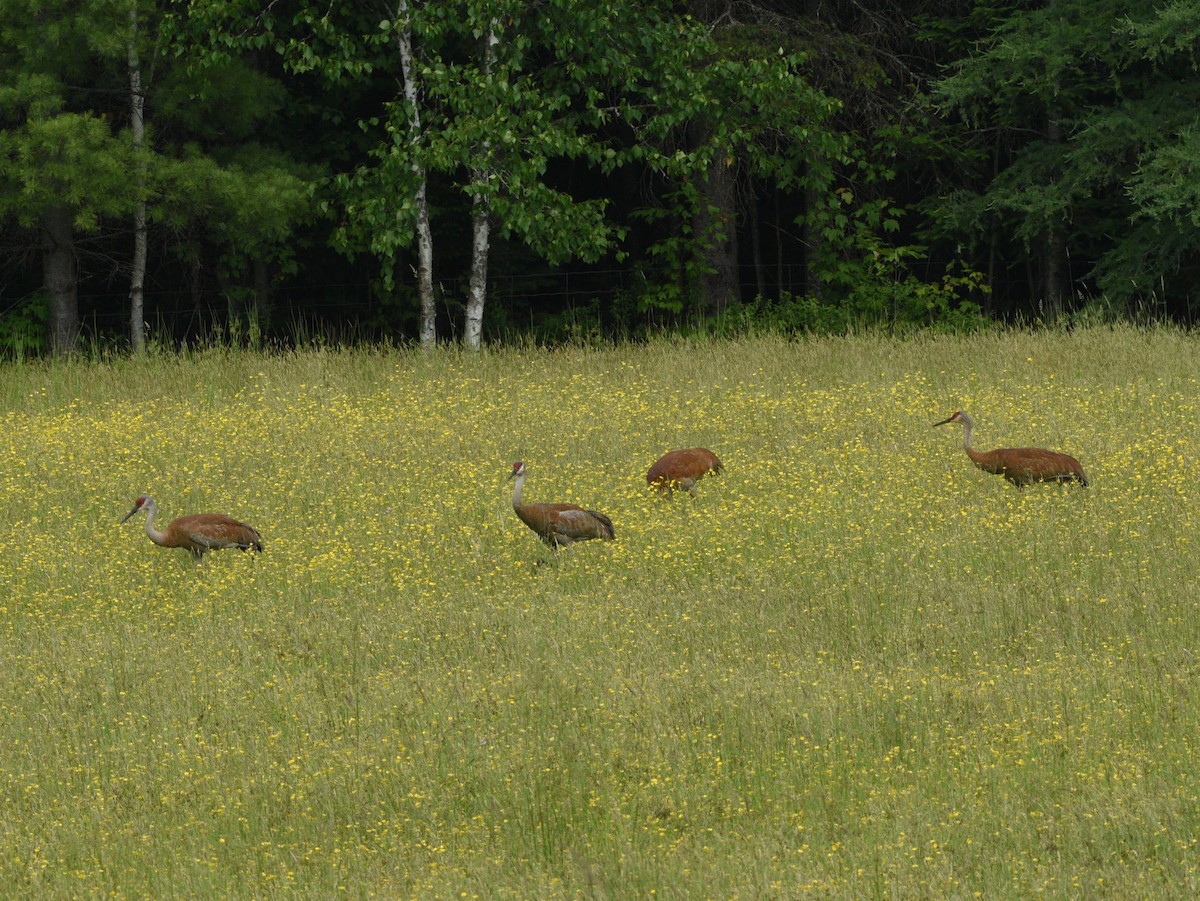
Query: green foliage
x: 604, y: 133
x: 56, y: 148
x: 675, y: 264
x: 1166, y: 187
x: 71, y: 158
x: 65, y: 143
x: 742, y: 105
x: 222, y: 171
x: 1170, y: 37
x: 250, y: 206
x: 23, y: 328
x: 493, y: 131
x: 1095, y: 108
x: 218, y: 102
x: 893, y: 300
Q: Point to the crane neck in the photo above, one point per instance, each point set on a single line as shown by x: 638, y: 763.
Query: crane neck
x: 152, y: 533
x: 517, y: 488
x: 967, y: 424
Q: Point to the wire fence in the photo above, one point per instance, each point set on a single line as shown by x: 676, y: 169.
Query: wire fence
x: 519, y: 300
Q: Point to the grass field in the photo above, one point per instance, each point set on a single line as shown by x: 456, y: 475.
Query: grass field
x: 853, y: 667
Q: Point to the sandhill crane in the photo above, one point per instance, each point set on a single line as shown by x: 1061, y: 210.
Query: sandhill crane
x: 559, y: 524
x: 197, y: 533
x: 1020, y: 465
x: 683, y: 468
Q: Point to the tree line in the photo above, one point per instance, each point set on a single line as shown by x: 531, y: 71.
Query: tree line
x: 171, y: 169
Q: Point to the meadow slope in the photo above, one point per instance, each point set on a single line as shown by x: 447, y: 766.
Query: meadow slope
x: 853, y: 666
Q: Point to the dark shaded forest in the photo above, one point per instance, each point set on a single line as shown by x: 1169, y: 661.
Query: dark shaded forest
x: 228, y: 171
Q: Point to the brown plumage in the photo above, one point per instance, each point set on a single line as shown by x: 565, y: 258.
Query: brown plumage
x: 683, y: 468
x: 197, y: 533
x: 1020, y: 465
x: 559, y: 524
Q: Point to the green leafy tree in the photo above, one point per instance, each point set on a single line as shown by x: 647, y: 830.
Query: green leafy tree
x: 722, y: 118
x: 64, y: 169
x: 226, y: 178
x: 471, y: 107
x: 491, y: 96
x: 1160, y: 133
x: 505, y: 116
x: 1081, y: 116
x: 382, y: 201
x: 806, y: 101
x: 80, y: 73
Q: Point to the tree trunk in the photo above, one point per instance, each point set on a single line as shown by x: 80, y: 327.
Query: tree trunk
x: 810, y: 232
x: 481, y: 229
x: 261, y: 313
x: 988, y: 305
x: 60, y: 278
x: 481, y: 221
x: 1056, y: 246
x: 195, y: 324
x: 782, y: 284
x: 714, y: 226
x: 137, y: 124
x: 722, y: 286
x: 760, y: 267
x: 993, y: 239
x: 1054, y: 292
x: 813, y: 240
x: 428, y: 326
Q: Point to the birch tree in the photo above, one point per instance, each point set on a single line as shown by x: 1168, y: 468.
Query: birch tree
x: 470, y: 111
x: 77, y: 72
x: 506, y: 116
x: 137, y: 131
x: 424, y: 233
x: 481, y: 212
x: 492, y: 96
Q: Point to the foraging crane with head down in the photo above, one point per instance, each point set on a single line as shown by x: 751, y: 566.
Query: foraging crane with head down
x: 559, y: 524
x: 683, y: 468
x: 1020, y: 465
x: 199, y: 532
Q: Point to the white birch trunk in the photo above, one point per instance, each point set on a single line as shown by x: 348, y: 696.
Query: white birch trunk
x: 424, y: 233
x: 137, y: 124
x: 481, y: 230
x: 481, y: 220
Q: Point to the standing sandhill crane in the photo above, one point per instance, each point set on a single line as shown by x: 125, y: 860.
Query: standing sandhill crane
x: 1020, y: 465
x: 198, y: 533
x: 559, y: 524
x: 683, y: 468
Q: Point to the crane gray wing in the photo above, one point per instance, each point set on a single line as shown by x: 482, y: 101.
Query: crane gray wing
x: 213, y: 531
x: 585, y: 524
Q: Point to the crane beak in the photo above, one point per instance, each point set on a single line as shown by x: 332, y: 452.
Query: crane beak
x: 129, y: 514
x: 943, y: 422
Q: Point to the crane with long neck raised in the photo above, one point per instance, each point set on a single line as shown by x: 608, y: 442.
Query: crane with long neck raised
x: 559, y: 524
x: 199, y: 532
x: 1020, y: 465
